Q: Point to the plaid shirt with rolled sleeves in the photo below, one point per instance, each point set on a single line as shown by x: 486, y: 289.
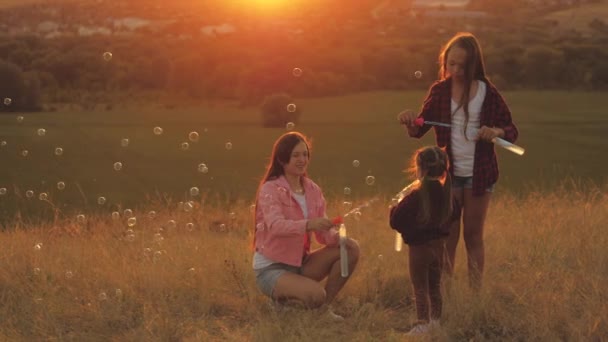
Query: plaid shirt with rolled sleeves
x: 494, y: 113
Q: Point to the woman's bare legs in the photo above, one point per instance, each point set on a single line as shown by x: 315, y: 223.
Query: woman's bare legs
x: 452, y: 240
x: 474, y: 217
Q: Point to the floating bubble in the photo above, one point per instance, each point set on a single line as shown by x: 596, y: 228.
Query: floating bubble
x: 118, y: 292
x: 102, y: 296
x: 184, y: 146
x: 128, y: 213
x: 380, y: 256
x: 118, y: 166
x: 36, y: 271
x: 7, y: 101
x: 232, y: 215
x: 158, y: 237
x: 147, y: 251
x: 222, y: 227
x: 58, y: 151
x: 130, y: 237
x: 2, y: 191
x: 29, y: 194
x: 156, y: 256
x: 124, y: 142
x: 347, y: 191
x: 158, y: 130
x: 347, y: 205
x: 25, y: 153
x: 41, y: 132
x: 202, y: 168
x: 171, y: 224
x: 357, y: 215
x: 194, y: 191
x: 107, y: 56
x: 60, y: 185
x: 291, y: 108
x: 81, y: 218
x: 132, y: 221
x: 101, y: 200
x: 115, y: 215
x: 189, y: 226
x: 418, y: 74
x: 38, y: 246
x: 290, y: 126
x: 188, y: 206
x: 193, y: 136
x: 356, y: 163
x: 69, y: 274
x: 20, y: 118
x: 252, y: 208
x: 151, y: 214
x: 3, y: 143
x: 370, y: 180
x: 297, y: 72
x: 129, y: 232
x: 191, y: 270
x: 43, y: 196
x: 229, y: 145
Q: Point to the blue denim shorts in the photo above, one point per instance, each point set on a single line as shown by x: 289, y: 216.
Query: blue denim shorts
x: 266, y: 278
x: 467, y: 183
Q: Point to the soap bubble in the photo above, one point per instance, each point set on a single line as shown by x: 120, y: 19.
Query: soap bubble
x: 193, y: 136
x: 107, y: 56
x: 151, y: 214
x: 29, y: 194
x: 128, y: 213
x: 202, y: 168
x: 118, y: 166
x: 194, y: 191
x: 229, y: 145
x: 347, y: 190
x: 60, y: 185
x: 189, y: 226
x: 124, y: 142
x: 41, y: 132
x: 69, y: 274
x: 3, y: 143
x: 2, y: 191
x: 20, y: 118
x: 58, y: 151
x: 101, y: 200
x: 356, y: 163
x: 291, y: 107
x: 102, y: 296
x: 418, y: 74
x: 297, y: 72
x: 25, y: 153
x: 370, y: 180
x: 43, y: 196
x: 184, y: 146
x: 81, y: 218
x: 131, y: 221
x: 158, y: 130
x: 7, y: 101
x: 290, y: 126
x: 115, y: 215
x: 38, y: 246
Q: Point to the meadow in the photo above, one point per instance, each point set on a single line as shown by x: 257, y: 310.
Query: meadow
x: 182, y: 272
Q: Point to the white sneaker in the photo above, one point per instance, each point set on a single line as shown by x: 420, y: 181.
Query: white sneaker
x: 419, y: 329
x: 334, y: 316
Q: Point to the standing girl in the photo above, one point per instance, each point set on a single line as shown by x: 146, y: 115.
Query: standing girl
x: 465, y: 98
x: 423, y: 218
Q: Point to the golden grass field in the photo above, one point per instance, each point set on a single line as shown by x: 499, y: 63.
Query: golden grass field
x: 546, y: 276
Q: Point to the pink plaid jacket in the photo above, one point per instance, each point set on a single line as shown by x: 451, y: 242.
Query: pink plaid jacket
x: 280, y: 232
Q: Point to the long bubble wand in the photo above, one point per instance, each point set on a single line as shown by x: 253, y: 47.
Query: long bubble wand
x: 396, y: 199
x: 497, y: 141
x: 339, y: 220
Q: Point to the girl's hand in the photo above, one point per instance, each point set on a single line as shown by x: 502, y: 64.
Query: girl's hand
x: 489, y: 133
x: 407, y: 118
x: 320, y: 223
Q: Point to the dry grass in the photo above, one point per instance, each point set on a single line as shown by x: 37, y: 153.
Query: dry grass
x: 546, y: 278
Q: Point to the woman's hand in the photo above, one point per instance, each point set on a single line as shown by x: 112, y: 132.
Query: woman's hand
x: 320, y: 223
x: 489, y: 133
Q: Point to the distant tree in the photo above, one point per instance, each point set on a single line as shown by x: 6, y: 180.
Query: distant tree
x: 278, y: 110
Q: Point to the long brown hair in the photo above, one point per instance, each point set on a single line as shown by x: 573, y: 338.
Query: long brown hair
x: 281, y: 154
x: 474, y: 68
x: 431, y: 165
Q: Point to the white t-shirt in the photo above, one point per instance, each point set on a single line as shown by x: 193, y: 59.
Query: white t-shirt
x: 260, y: 261
x: 463, y: 149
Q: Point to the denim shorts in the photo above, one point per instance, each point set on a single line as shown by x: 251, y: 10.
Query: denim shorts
x: 266, y: 278
x: 467, y: 183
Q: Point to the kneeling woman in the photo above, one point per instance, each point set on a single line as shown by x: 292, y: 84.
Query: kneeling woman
x: 289, y: 207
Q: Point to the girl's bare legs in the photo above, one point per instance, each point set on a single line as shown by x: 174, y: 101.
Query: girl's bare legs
x: 452, y: 240
x: 474, y: 216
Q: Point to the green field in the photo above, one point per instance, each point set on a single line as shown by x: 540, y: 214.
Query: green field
x: 563, y: 134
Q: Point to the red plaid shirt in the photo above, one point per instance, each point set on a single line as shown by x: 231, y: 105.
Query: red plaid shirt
x: 494, y: 113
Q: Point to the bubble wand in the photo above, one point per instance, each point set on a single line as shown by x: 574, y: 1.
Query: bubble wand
x: 339, y: 220
x: 396, y: 199
x: 497, y: 141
